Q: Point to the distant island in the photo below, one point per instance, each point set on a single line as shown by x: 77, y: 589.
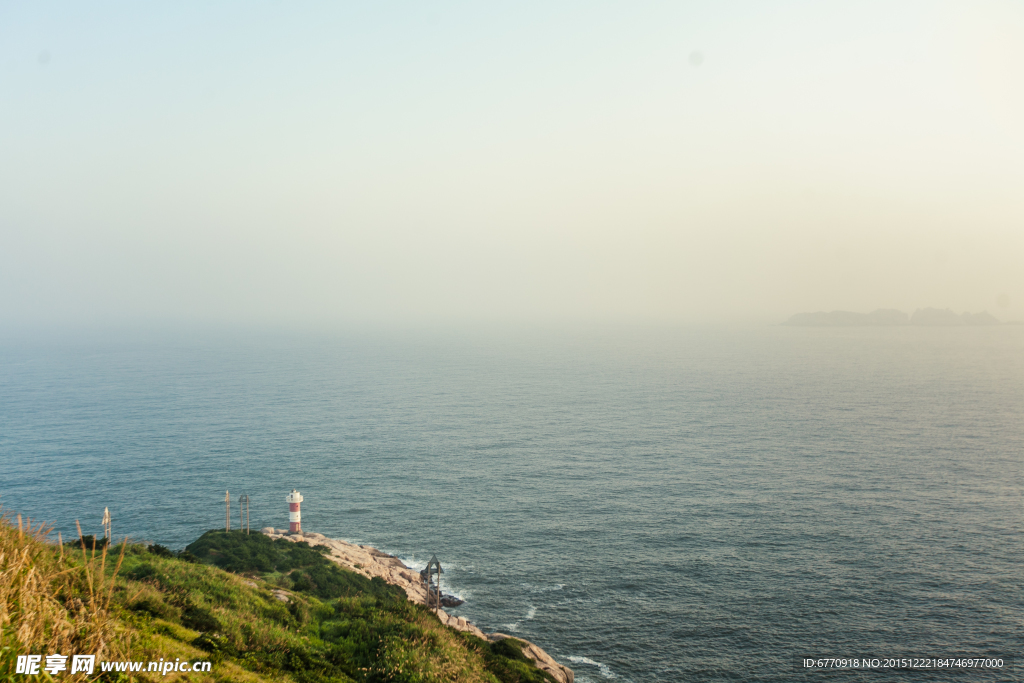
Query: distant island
x: 889, y: 317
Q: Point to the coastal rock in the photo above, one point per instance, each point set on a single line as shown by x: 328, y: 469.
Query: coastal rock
x: 446, y: 599
x: 542, y: 659
x: 460, y: 624
x: 370, y: 562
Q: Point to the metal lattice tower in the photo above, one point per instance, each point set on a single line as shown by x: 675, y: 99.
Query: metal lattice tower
x: 431, y: 566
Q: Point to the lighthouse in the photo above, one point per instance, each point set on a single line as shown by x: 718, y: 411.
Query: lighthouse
x: 294, y: 514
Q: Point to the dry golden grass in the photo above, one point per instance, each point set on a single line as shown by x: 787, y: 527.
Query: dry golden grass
x: 54, y: 601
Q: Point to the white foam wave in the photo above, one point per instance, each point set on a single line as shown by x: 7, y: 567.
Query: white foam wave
x: 511, y: 627
x: 420, y: 563
x: 533, y: 588
x: 413, y: 563
x: 601, y: 668
x: 531, y: 613
x: 460, y: 593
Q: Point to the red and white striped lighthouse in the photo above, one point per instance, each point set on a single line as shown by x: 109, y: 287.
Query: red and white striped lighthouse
x: 294, y: 514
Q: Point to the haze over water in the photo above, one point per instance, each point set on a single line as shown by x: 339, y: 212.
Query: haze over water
x: 645, y: 504
x: 333, y: 163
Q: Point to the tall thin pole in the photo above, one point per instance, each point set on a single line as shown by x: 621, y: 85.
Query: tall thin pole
x: 243, y: 512
x: 227, y: 514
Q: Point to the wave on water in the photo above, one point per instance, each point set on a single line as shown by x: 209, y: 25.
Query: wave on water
x: 414, y: 561
x: 533, y: 588
x: 603, y: 669
x: 514, y: 626
x: 460, y: 593
x: 411, y: 562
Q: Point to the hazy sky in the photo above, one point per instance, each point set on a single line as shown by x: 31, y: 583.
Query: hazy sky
x: 347, y: 162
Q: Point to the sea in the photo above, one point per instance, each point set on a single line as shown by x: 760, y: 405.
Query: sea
x: 645, y: 503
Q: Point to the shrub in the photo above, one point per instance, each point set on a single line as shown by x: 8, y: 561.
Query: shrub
x: 155, y: 607
x: 199, y: 619
x: 142, y: 572
x: 510, y: 648
x: 186, y: 556
x: 215, y: 644
x: 89, y: 542
x: 160, y: 551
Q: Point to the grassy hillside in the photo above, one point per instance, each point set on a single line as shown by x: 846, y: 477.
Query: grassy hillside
x: 140, y: 603
x: 54, y: 601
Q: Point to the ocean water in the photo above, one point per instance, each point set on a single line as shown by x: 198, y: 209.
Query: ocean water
x: 645, y: 504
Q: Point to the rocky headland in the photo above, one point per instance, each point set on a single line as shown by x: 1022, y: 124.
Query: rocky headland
x: 370, y: 562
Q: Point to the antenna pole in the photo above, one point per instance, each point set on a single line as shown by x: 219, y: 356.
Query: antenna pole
x: 243, y: 512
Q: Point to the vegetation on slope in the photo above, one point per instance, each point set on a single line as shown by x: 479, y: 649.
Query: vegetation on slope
x: 52, y: 601
x: 291, y: 565
x: 150, y: 604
